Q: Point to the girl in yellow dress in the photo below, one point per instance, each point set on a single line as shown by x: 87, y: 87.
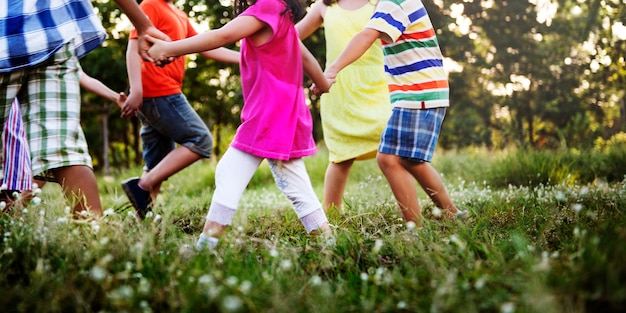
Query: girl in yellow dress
x: 355, y: 111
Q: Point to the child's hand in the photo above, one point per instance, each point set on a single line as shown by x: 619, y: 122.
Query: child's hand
x: 121, y: 100
x: 157, y: 51
x: 144, y: 44
x: 132, y: 105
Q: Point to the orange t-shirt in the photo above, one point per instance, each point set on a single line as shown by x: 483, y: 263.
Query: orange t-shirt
x: 167, y: 80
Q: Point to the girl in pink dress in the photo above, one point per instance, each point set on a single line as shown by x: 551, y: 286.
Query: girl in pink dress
x: 276, y: 123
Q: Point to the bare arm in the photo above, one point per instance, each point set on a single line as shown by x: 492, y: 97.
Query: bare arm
x: 354, y: 50
x: 133, y: 67
x: 222, y: 55
x: 240, y: 27
x: 144, y: 27
x: 314, y: 71
x: 312, y: 21
x: 101, y: 89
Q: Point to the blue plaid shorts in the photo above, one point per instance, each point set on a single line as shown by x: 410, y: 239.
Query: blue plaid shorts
x: 412, y: 133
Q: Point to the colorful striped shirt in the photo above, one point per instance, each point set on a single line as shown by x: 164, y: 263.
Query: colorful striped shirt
x: 17, y: 174
x: 413, y: 59
x: 31, y: 31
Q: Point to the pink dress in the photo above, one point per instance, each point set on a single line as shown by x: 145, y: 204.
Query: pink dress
x: 276, y: 122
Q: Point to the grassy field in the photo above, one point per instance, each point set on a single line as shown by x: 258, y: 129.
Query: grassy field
x: 547, y: 233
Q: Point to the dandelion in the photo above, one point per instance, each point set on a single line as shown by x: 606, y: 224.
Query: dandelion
x: 273, y: 253
x: 365, y: 277
x: 8, y: 250
x: 42, y: 212
x: 67, y: 210
x: 285, y: 264
x: 245, y: 286
x: 480, y: 283
x: 231, y: 281
x: 108, y: 212
x: 97, y: 273
x: 507, y: 307
x: 157, y: 217
x: 25, y: 211
x: 232, y: 303
x: 315, y: 280
x: 3, y: 205
x: 457, y: 241
x: 104, y: 241
x: 410, y: 225
x: 62, y: 220
x: 378, y: 244
x: 401, y: 305
x: 436, y: 212
x: 205, y: 279
x: 95, y: 226
x: 577, y: 207
x: 560, y: 196
x: 150, y: 214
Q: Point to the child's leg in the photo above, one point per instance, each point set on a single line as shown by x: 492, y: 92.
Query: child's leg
x: 335, y: 183
x: 293, y: 180
x: 175, y: 161
x: 402, y: 185
x: 232, y: 175
x: 431, y: 182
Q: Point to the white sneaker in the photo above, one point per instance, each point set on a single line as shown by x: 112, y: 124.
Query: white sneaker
x: 206, y: 242
x: 462, y: 215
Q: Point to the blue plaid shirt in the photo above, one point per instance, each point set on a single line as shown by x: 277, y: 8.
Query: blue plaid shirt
x: 31, y: 31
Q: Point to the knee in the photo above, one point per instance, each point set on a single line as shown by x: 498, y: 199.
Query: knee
x: 385, y: 161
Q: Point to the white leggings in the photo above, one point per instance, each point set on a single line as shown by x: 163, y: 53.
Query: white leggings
x: 236, y: 168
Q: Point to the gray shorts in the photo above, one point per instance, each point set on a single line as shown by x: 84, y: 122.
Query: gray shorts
x: 170, y: 120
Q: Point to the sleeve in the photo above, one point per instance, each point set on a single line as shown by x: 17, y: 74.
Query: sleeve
x: 267, y: 11
x: 390, y: 19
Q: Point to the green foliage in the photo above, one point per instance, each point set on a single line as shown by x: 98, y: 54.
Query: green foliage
x: 543, y: 248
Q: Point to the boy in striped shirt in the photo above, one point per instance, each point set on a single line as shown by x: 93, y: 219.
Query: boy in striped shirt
x: 418, y: 87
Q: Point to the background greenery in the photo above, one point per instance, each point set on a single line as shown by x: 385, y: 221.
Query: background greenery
x: 530, y: 74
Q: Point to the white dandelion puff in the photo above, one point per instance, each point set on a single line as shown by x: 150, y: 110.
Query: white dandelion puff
x: 401, y: 305
x: 3, y: 205
x: 108, y: 212
x: 577, y: 207
x: 35, y: 200
x: 457, y: 241
x: 232, y: 303
x: 480, y: 283
x: 364, y: 277
x: 62, y: 220
x: 245, y: 286
x: 286, y: 264
x: 273, y: 253
x: 507, y: 307
x: 378, y: 244
x: 97, y: 273
x: 157, y: 217
x: 315, y: 280
x: 436, y: 212
x: 410, y: 225
x: 231, y: 281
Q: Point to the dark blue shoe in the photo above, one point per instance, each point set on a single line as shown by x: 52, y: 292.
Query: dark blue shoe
x: 139, y: 198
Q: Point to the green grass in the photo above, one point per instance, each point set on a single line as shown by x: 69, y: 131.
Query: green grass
x: 552, y: 241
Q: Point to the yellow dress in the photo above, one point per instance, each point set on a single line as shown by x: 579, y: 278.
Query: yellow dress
x: 355, y: 111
